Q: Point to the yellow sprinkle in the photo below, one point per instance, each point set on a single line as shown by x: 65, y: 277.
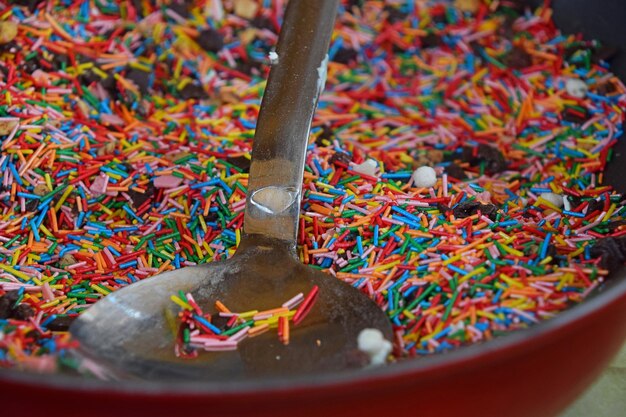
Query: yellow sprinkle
x: 329, y: 186
x: 208, y: 249
x: 50, y: 304
x: 566, y: 279
x: 45, y: 231
x: 130, y: 149
x: 546, y: 260
x: 248, y: 314
x: 181, y: 303
x: 554, y: 188
x: 387, y: 266
x: 510, y: 281
x: 479, y: 75
x: 129, y: 85
x: 99, y: 289
x: 66, y: 193
x: 99, y: 72
x: 34, y: 257
x: 274, y: 319
x: 481, y: 124
x: 157, y: 32
x: 494, y: 120
x: 505, y: 236
x: 470, y: 274
x: 393, y: 187
x: 406, y: 159
x: 198, y: 251
x: 15, y: 272
x: 610, y: 212
x: 452, y: 259
x: 183, y: 135
x: 88, y: 245
x: 576, y: 253
x: 141, y: 67
x: 202, y: 224
x: 584, y: 151
x: 16, y: 256
x: 511, y: 250
x: 183, y: 83
x: 167, y: 255
x: 105, y: 209
x: 408, y: 314
x: 178, y: 69
x: 48, y: 181
x: 486, y: 315
x: 519, y: 303
x: 114, y: 176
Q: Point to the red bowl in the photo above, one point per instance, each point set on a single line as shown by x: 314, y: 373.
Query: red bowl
x: 529, y: 373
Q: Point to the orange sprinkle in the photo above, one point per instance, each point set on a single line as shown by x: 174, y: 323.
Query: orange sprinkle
x: 321, y: 209
x: 221, y: 307
x: 257, y: 330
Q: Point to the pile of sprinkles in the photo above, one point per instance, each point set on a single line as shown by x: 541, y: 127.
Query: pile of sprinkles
x: 199, y: 330
x: 454, y: 172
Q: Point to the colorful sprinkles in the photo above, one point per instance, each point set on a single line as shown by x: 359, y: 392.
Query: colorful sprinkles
x: 200, y: 331
x: 126, y: 132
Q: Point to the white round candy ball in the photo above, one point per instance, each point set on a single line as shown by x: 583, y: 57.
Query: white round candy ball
x: 424, y: 177
x: 367, y: 167
x: 372, y: 342
x: 576, y: 88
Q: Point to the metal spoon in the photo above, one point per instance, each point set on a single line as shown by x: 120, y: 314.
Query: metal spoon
x: 127, y: 331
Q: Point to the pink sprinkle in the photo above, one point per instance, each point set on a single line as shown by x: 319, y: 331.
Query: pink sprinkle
x: 47, y: 292
x: 99, y: 185
x: 167, y: 181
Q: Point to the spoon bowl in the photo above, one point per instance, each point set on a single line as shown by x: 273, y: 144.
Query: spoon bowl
x: 261, y: 276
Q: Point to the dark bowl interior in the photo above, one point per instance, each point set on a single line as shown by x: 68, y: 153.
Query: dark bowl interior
x: 534, y: 372
x: 603, y: 20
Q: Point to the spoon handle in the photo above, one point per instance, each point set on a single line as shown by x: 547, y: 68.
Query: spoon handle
x: 278, y: 153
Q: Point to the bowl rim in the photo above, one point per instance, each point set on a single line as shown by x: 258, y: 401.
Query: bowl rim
x: 613, y: 291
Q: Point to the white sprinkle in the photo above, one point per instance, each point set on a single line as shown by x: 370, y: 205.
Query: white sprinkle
x: 555, y: 199
x: 372, y: 342
x: 424, y: 177
x: 367, y: 167
x: 523, y: 201
x: 566, y: 204
x: 273, y: 56
x: 576, y: 88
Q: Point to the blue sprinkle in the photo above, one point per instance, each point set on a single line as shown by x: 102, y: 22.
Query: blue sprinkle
x: 207, y: 324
